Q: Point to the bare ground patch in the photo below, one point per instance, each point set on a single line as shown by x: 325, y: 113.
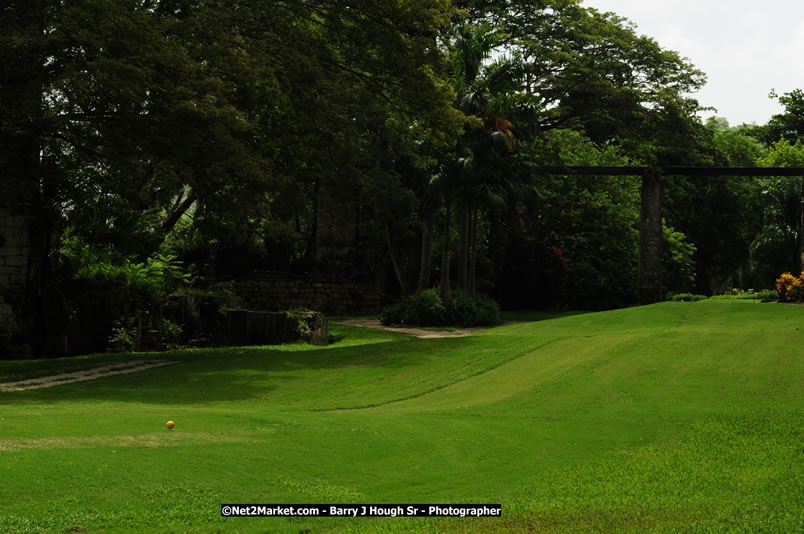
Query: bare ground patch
x: 82, y: 376
x: 418, y: 332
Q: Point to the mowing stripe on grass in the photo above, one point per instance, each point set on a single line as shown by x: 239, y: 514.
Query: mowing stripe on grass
x: 163, y: 439
x: 511, y: 377
x: 440, y: 386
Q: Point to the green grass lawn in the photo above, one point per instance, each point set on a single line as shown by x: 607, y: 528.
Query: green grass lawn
x: 671, y: 417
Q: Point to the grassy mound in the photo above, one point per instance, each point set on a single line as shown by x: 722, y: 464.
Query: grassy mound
x: 675, y: 416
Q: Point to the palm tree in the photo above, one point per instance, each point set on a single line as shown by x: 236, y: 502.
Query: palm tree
x: 484, y: 93
x: 476, y: 177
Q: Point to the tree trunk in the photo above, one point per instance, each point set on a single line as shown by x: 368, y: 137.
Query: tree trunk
x: 426, y: 255
x: 464, y: 216
x: 179, y: 208
x: 498, y: 236
x: 312, y: 240
x: 393, y: 259
x: 651, y: 237
x: 472, y: 252
x: 445, y: 259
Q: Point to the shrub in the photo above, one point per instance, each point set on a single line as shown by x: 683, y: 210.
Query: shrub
x: 749, y: 294
x: 392, y: 314
x: 423, y: 308
x: 426, y: 309
x: 120, y: 298
x: 687, y: 297
x: 144, y: 331
x: 466, y: 310
x: 765, y: 294
x: 790, y: 288
x: 309, y: 326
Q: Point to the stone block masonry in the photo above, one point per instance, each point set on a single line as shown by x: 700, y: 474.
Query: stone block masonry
x: 14, y: 252
x: 8, y: 323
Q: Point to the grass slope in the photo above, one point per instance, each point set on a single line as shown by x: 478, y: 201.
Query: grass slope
x: 670, y: 417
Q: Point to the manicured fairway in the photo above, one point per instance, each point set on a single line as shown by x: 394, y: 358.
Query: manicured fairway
x: 670, y: 417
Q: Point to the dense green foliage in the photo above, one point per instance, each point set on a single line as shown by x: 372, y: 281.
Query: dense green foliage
x: 777, y: 244
x: 468, y: 310
x: 590, y: 221
x: 788, y: 125
x: 750, y: 294
x: 678, y: 260
x: 390, y: 142
x: 307, y: 325
x: 666, y: 418
x: 425, y: 308
x: 735, y: 146
x: 220, y: 127
x: 687, y: 297
x: 121, y: 295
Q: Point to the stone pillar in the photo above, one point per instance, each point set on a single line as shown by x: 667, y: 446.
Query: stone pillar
x: 14, y: 254
x: 22, y: 83
x: 651, y: 240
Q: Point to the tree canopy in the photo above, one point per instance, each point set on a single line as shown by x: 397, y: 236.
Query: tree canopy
x: 340, y: 138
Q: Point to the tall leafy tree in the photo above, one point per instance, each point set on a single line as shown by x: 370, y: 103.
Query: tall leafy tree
x: 736, y: 146
x: 591, y: 72
x: 581, y: 231
x: 783, y: 134
x: 780, y: 243
x: 121, y: 116
x: 720, y: 215
x: 786, y: 125
x: 583, y: 69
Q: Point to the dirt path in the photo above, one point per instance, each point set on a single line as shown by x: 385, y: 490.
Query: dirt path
x: 133, y: 367
x: 418, y: 332
x: 81, y: 376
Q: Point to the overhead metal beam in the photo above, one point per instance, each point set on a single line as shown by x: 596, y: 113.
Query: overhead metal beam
x: 669, y: 171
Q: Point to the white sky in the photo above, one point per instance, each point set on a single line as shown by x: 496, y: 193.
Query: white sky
x: 745, y: 47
